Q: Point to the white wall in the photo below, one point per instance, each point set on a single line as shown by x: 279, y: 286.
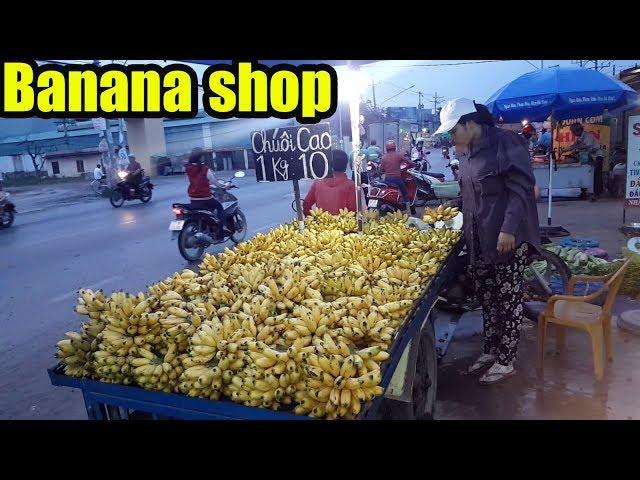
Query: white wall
x: 68, y: 167
x: 16, y: 163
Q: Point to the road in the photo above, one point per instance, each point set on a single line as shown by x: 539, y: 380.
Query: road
x: 48, y: 255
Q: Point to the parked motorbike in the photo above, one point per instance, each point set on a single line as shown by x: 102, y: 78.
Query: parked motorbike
x: 387, y: 198
x: 196, y: 229
x: 123, y: 191
x: 7, y: 210
x: 454, y: 165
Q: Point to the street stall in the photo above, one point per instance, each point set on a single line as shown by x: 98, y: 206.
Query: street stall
x: 560, y: 93
x: 324, y: 323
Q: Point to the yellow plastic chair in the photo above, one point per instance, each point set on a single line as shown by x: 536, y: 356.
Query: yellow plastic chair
x: 577, y: 312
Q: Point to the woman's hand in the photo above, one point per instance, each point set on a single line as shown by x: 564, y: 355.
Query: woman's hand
x: 506, y: 243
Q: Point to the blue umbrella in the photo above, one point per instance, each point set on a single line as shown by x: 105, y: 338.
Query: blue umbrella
x: 565, y: 92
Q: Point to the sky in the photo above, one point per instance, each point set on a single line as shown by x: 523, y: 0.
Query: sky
x: 471, y: 79
x: 475, y: 79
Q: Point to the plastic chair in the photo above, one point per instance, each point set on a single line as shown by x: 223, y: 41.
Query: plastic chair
x: 578, y: 312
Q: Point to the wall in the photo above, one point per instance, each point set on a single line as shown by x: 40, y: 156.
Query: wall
x: 146, y: 137
x: 68, y: 166
x: 16, y: 163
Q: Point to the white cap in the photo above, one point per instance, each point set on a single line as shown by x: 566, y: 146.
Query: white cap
x: 452, y: 112
x: 419, y: 139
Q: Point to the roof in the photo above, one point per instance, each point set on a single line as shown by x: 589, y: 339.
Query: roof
x: 631, y: 76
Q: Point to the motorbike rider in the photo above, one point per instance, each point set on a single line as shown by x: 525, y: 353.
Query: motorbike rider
x: 530, y: 134
x: 201, y: 179
x: 391, y: 167
x: 135, y: 172
x: 419, y: 153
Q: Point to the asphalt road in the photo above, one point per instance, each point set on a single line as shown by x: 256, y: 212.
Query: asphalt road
x: 48, y: 255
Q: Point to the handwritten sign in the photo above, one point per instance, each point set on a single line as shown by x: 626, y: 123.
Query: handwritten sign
x: 292, y: 153
x: 633, y: 162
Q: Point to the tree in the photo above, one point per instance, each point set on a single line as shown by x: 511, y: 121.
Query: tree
x: 35, y: 150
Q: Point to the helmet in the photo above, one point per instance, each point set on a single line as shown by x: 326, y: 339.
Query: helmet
x: 390, y: 145
x: 419, y: 140
x: 528, y: 130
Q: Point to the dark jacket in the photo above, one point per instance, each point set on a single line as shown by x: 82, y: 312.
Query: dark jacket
x: 199, y: 186
x: 497, y: 186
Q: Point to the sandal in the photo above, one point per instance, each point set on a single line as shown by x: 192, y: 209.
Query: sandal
x: 482, y: 361
x: 497, y: 373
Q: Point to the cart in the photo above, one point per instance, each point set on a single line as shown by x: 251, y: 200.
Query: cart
x: 409, y: 377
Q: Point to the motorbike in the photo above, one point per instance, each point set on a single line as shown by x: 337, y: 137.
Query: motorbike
x: 454, y: 165
x: 123, y: 191
x: 196, y: 229
x: 387, y: 198
x: 7, y: 210
x: 445, y: 153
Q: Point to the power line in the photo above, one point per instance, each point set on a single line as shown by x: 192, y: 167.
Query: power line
x: 433, y: 64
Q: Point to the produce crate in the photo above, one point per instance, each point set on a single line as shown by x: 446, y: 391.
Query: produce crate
x: 446, y: 189
x: 107, y: 401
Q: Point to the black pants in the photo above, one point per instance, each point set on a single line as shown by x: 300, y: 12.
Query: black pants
x: 598, y: 182
x: 499, y: 288
x: 213, y: 205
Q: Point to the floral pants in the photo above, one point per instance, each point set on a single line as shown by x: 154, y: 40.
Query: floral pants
x: 499, y: 287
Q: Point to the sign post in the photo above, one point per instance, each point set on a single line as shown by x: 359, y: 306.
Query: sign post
x: 292, y: 154
x: 632, y: 197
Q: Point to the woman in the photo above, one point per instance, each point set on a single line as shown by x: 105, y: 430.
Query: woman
x: 201, y: 179
x: 500, y: 226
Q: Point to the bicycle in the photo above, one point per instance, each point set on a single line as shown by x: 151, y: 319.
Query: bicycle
x: 98, y: 185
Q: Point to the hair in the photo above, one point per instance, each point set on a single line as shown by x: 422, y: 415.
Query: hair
x: 576, y: 127
x: 98, y: 166
x: 373, y: 141
x: 196, y: 155
x: 340, y: 161
x: 544, y: 130
x: 482, y: 116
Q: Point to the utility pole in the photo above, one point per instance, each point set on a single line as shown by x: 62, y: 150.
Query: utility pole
x: 373, y: 91
x: 436, y: 102
x: 541, y: 64
x: 420, y: 107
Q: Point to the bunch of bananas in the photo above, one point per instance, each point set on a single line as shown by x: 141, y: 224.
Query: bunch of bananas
x: 432, y: 215
x: 75, y: 352
x: 336, y: 385
x: 156, y: 372
x: 288, y: 319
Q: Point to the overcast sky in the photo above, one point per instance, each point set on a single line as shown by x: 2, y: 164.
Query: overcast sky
x: 471, y: 78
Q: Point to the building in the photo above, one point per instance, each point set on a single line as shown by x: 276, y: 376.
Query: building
x: 72, y: 150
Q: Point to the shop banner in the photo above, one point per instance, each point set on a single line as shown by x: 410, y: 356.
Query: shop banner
x: 633, y: 163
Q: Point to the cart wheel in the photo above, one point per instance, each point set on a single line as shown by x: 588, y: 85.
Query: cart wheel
x: 425, y: 384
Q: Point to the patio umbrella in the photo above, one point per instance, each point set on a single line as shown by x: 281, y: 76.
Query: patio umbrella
x: 560, y: 93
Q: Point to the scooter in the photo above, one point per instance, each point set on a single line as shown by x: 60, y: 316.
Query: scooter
x: 7, y: 210
x: 196, y: 229
x: 123, y: 191
x: 387, y: 198
x: 454, y: 165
